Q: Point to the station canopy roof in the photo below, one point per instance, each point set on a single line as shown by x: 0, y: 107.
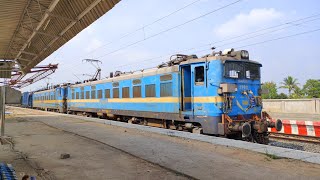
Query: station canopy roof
x: 31, y: 30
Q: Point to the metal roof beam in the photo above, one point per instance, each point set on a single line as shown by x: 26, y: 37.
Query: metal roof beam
x: 51, y: 8
x: 91, y: 6
x: 46, y: 34
x: 61, y: 17
x: 29, y: 53
x: 24, y: 59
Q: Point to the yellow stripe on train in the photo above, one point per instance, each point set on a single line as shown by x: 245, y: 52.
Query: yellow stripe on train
x: 209, y: 99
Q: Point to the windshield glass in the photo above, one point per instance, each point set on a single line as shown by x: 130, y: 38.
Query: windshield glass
x: 242, y: 70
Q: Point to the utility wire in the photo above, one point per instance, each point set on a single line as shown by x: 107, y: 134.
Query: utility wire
x: 261, y: 42
x: 264, y: 29
x: 234, y: 37
x: 280, y: 38
x: 169, y: 29
x: 134, y: 31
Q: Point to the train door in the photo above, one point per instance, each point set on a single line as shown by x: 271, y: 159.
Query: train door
x: 186, y: 89
x: 198, y: 83
x: 193, y: 87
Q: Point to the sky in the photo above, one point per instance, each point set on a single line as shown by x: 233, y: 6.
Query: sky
x: 286, y: 49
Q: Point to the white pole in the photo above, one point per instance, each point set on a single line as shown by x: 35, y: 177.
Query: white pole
x: 2, y: 108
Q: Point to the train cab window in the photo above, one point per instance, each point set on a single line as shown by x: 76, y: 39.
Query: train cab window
x: 115, y: 92
x: 125, y: 92
x: 100, y: 94
x: 77, y: 95
x: 150, y: 90
x: 199, y: 75
x: 166, y: 89
x: 107, y: 93
x: 87, y: 94
x: 136, y: 91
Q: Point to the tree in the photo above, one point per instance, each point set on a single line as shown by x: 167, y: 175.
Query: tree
x: 297, y: 93
x: 312, y: 88
x: 289, y: 83
x: 272, y: 88
x: 282, y: 96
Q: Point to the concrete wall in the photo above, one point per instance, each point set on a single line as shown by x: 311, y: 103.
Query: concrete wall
x: 13, y: 96
x: 309, y: 106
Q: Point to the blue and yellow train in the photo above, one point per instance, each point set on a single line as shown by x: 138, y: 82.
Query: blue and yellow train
x: 218, y: 94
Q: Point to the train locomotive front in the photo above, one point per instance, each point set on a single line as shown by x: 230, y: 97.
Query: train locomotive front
x: 232, y: 106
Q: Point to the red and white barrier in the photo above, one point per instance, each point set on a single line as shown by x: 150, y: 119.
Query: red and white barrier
x: 301, y: 128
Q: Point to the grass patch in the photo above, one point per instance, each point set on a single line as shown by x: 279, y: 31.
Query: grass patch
x: 272, y: 156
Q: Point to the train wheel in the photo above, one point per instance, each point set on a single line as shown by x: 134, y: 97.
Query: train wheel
x: 261, y: 138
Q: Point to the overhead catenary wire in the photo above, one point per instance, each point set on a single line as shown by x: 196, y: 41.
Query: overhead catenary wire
x: 169, y: 29
x: 266, y: 41
x: 232, y: 38
x: 145, y: 26
x: 149, y: 24
x: 287, y: 23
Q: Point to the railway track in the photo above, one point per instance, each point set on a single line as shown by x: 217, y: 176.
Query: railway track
x: 292, y: 137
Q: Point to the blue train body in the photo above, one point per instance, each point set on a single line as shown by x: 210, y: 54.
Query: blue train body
x: 26, y: 100
x: 51, y: 99
x: 217, y: 94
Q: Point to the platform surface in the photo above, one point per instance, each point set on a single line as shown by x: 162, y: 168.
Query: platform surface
x: 101, y: 150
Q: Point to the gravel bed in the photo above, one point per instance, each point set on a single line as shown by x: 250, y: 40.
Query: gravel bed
x: 303, y: 146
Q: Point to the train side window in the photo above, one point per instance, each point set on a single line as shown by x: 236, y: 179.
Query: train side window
x: 199, y: 75
x: 77, y: 95
x: 150, y: 90
x: 87, y: 94
x: 93, y: 94
x: 107, y: 93
x: 73, y: 94
x: 166, y: 89
x: 100, y: 94
x: 115, y: 92
x: 136, y: 91
x: 125, y: 92
x: 82, y: 93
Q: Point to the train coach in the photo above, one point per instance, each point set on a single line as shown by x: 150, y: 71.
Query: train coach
x: 26, y: 99
x: 51, y: 99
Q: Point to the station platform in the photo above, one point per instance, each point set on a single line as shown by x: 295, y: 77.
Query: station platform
x: 103, y: 149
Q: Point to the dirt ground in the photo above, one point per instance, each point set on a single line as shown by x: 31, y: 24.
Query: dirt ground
x: 42, y: 145
x: 108, y: 152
